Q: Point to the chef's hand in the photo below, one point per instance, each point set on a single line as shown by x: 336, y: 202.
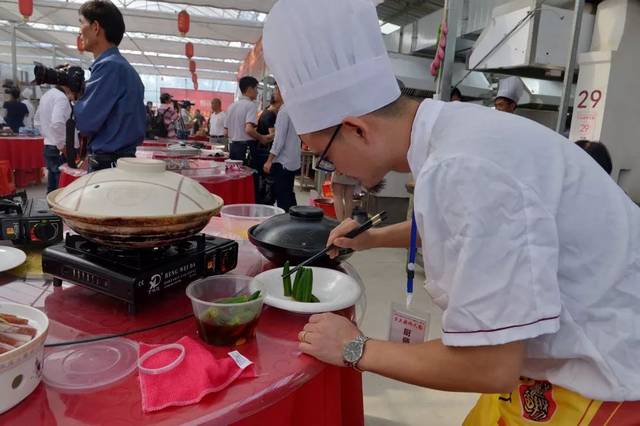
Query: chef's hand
x: 363, y: 241
x: 267, y: 167
x: 325, y: 337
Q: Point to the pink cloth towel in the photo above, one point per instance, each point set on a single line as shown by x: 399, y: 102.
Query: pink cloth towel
x: 199, y: 374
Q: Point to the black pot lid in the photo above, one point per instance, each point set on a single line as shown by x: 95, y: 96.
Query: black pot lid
x: 303, y: 228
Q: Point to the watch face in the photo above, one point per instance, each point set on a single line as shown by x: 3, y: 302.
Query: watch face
x: 353, y: 352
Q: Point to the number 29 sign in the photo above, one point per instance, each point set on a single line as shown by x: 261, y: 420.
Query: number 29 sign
x: 587, y: 113
x: 588, y: 99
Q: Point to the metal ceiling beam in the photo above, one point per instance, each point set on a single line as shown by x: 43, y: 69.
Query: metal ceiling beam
x: 404, y: 12
x: 262, y: 6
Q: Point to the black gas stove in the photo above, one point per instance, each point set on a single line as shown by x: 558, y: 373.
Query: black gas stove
x: 28, y: 221
x: 138, y: 275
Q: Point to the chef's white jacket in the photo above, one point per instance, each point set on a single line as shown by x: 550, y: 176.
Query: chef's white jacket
x: 525, y: 237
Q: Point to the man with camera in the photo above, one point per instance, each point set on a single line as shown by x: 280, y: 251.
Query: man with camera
x: 110, y: 111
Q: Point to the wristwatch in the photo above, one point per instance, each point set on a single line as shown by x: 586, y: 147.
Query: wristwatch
x: 353, y: 352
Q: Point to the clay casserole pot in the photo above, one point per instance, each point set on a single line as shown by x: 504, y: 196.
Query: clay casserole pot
x: 138, y: 204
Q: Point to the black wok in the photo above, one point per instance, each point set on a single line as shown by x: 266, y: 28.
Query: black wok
x: 296, y: 236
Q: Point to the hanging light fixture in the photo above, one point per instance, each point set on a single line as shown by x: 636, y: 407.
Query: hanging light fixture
x: 26, y: 8
x: 188, y: 50
x: 183, y: 22
x: 192, y: 66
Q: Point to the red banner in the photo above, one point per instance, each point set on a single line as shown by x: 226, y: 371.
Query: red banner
x: 253, y: 64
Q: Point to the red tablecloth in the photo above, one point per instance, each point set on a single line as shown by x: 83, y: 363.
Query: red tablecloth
x: 291, y: 389
x: 232, y: 189
x: 26, y: 155
x: 66, y: 179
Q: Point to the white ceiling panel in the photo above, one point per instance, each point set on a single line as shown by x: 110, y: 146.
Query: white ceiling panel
x: 255, y: 5
x: 143, y: 21
x: 152, y: 45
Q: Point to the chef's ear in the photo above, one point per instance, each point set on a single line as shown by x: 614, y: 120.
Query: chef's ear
x: 358, y: 126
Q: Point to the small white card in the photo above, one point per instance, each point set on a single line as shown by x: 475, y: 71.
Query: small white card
x: 407, y: 325
x: 242, y: 361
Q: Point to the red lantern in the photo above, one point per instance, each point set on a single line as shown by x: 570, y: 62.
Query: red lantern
x: 195, y: 85
x: 80, y: 44
x: 192, y: 65
x: 26, y: 8
x: 194, y: 77
x: 188, y: 50
x: 183, y: 22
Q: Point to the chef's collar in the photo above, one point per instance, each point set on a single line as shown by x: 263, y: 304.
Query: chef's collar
x: 421, y: 130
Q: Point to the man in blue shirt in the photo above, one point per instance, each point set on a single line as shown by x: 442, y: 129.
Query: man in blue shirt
x: 111, y: 111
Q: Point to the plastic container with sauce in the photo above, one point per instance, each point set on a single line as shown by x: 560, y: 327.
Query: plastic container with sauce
x: 224, y: 324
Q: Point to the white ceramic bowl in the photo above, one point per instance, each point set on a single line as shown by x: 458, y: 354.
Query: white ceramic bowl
x: 335, y: 290
x: 21, y: 368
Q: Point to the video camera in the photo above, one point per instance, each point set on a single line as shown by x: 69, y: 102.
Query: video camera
x: 71, y: 77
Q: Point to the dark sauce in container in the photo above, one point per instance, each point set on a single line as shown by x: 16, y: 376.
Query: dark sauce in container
x: 226, y: 334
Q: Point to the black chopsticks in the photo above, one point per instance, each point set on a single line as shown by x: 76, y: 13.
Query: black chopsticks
x: 375, y: 220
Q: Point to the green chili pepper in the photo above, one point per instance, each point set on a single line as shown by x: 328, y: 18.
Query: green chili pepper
x: 301, y: 286
x: 296, y: 284
x: 286, y: 281
x: 235, y: 299
x: 307, y: 283
x: 239, y: 299
x: 254, y: 296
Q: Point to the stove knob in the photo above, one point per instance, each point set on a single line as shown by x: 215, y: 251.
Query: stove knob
x: 44, y: 231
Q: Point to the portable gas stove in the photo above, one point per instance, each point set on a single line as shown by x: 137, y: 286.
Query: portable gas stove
x: 138, y: 275
x: 28, y: 221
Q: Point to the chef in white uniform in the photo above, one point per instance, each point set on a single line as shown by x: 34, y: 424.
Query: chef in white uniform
x: 530, y: 249
x: 510, y: 92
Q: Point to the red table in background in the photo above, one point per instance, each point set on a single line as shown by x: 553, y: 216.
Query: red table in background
x: 26, y: 155
x: 291, y: 389
x: 234, y: 189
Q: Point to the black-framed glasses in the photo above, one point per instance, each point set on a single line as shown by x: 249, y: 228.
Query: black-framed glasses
x: 324, y: 164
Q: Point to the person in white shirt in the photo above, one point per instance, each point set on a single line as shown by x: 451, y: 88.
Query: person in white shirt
x: 284, y: 160
x: 26, y: 100
x: 530, y: 249
x: 217, y: 132
x: 241, y: 122
x: 51, y: 117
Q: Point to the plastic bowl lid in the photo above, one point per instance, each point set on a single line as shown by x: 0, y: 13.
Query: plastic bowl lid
x: 90, y: 367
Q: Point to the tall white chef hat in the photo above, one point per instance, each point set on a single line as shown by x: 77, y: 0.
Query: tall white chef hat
x: 511, y: 88
x: 329, y: 60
